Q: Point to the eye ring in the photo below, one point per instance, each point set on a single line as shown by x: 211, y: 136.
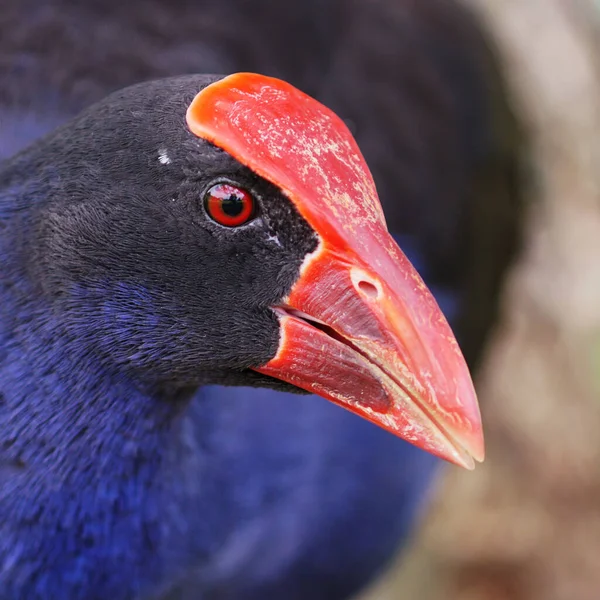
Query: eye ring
x: 229, y: 205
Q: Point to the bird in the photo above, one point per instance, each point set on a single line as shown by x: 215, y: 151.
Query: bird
x: 144, y: 259
x: 342, y: 549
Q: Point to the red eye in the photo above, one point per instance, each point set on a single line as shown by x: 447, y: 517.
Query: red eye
x: 229, y: 205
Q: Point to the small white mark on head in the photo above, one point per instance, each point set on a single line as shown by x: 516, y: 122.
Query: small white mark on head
x: 275, y: 239
x: 163, y: 157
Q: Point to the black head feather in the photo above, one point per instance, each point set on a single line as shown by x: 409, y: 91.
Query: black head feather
x: 123, y: 252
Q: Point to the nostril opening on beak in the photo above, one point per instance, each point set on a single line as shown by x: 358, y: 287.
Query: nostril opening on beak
x: 368, y: 289
x: 365, y: 284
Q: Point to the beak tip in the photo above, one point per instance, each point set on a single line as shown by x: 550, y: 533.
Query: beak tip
x: 479, y: 456
x: 471, y: 440
x: 467, y: 456
x: 466, y: 442
x: 473, y: 449
x: 469, y: 464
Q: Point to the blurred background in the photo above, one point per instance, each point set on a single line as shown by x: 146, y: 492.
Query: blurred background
x: 526, y: 524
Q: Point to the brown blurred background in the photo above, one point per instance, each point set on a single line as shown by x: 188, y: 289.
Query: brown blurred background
x: 526, y: 524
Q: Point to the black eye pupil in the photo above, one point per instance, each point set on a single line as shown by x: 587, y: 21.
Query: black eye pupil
x: 232, y: 206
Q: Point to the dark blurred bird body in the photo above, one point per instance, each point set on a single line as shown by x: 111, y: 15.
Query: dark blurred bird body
x: 241, y: 493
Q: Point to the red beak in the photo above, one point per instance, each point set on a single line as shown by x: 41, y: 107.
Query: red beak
x: 359, y: 327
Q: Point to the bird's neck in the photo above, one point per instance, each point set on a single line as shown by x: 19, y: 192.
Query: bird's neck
x: 90, y: 463
x: 62, y: 399
x: 54, y: 384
